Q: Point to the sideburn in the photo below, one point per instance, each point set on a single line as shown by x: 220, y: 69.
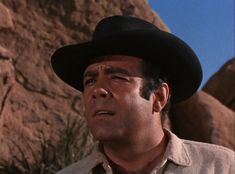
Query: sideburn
x: 148, y: 86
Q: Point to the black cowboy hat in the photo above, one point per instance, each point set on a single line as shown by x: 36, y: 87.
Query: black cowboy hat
x: 125, y: 35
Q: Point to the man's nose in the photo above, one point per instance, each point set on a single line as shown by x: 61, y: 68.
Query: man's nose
x: 101, y: 91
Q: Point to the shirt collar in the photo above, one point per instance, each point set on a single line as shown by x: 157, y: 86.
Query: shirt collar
x: 97, y: 157
x: 176, y: 151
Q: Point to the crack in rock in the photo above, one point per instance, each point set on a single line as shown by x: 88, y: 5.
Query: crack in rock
x: 23, y: 81
x: 5, y: 99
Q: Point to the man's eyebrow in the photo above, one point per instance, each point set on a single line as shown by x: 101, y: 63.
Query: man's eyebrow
x: 108, y: 70
x: 114, y: 70
x: 90, y: 74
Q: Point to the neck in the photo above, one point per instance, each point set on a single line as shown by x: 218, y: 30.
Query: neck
x: 134, y: 156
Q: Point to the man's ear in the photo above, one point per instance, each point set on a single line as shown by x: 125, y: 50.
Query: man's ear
x: 161, y: 97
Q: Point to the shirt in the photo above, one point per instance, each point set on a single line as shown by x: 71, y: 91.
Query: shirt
x: 181, y: 157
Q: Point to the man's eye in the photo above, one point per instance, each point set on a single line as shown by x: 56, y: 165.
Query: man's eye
x: 89, y: 81
x: 119, y: 78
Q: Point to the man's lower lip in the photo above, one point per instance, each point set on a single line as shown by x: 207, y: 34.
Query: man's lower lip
x: 104, y: 115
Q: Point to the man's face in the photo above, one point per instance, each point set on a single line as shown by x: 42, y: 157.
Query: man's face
x: 114, y: 108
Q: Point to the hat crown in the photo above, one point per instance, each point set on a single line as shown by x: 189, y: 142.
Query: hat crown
x: 119, y: 24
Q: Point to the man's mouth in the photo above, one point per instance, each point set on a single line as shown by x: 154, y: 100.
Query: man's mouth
x: 104, y: 113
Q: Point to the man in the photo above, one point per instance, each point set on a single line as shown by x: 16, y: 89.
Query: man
x: 129, y: 73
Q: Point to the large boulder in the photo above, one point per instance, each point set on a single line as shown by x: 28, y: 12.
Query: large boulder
x: 204, y: 118
x: 222, y: 84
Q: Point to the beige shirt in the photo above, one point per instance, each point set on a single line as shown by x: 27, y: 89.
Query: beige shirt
x: 181, y: 157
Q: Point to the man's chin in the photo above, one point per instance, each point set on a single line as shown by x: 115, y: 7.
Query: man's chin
x: 105, y: 136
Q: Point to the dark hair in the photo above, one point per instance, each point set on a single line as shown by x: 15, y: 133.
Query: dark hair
x: 153, y: 78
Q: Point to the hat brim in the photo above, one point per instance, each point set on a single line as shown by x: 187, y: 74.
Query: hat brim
x: 163, y: 49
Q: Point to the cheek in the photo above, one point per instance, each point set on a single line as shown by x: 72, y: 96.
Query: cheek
x: 139, y: 105
x: 136, y: 105
x: 133, y: 98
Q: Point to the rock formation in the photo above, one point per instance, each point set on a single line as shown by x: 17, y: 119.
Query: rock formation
x: 209, y: 115
x: 222, y: 84
x: 204, y: 118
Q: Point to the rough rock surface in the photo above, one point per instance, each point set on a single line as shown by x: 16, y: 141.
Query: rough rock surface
x: 222, y: 84
x: 203, y: 118
x: 33, y: 101
x: 5, y: 17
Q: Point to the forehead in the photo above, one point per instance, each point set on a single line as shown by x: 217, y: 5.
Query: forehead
x: 130, y: 63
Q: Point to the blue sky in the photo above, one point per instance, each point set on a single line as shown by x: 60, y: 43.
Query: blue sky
x: 206, y: 25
